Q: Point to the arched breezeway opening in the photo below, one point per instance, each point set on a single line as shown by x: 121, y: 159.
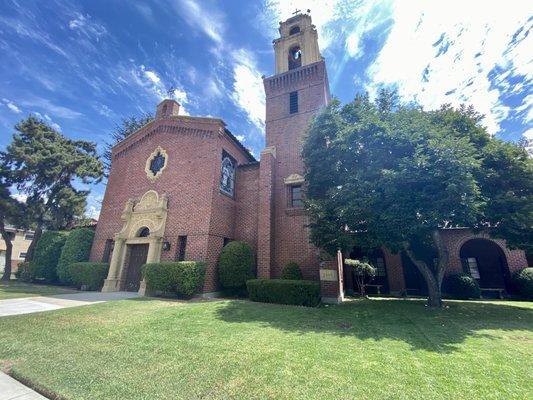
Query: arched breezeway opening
x: 485, y: 261
x: 380, y: 283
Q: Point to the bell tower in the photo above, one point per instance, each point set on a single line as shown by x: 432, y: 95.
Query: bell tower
x: 297, y: 45
x: 298, y: 91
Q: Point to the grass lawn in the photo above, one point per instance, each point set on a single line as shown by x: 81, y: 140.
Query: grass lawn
x: 13, y: 289
x: 231, y: 349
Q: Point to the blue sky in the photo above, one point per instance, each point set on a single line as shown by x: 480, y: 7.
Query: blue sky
x: 84, y: 65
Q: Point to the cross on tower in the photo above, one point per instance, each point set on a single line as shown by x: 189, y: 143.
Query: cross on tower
x: 296, y: 11
x: 170, y: 92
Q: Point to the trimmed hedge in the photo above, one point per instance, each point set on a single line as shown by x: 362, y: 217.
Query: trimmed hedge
x: 284, y: 291
x: 89, y: 274
x: 462, y: 286
x: 76, y: 249
x: 182, y: 278
x: 291, y: 271
x: 23, y: 273
x: 523, y: 280
x: 46, y: 256
x: 236, y: 265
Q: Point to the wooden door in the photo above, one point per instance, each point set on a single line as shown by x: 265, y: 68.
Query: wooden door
x: 137, y: 258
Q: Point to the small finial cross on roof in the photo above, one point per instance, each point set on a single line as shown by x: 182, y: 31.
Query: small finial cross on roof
x: 170, y: 92
x: 296, y: 11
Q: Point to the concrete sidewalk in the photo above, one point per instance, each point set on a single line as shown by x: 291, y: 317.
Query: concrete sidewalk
x: 47, y: 303
x: 11, y: 389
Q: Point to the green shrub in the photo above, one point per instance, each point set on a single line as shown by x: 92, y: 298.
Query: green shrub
x: 23, y: 273
x: 462, y: 286
x: 291, y: 271
x: 236, y: 265
x: 284, y: 291
x: 89, y: 274
x: 46, y: 256
x: 183, y: 278
x: 76, y: 249
x: 523, y: 280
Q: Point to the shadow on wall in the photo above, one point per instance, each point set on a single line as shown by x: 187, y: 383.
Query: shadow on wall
x: 408, y: 321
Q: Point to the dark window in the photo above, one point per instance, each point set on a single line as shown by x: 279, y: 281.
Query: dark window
x: 28, y: 236
x: 294, y: 30
x: 108, y: 250
x: 227, y: 174
x: 226, y: 241
x: 157, y: 163
x: 296, y: 196
x: 22, y: 254
x: 295, y: 57
x: 182, y: 245
x: 293, y: 102
x: 144, y: 232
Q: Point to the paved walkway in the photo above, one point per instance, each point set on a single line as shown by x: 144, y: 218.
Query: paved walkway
x: 11, y: 389
x: 47, y: 303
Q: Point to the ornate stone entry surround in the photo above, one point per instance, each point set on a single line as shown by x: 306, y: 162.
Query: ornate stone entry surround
x: 149, y: 212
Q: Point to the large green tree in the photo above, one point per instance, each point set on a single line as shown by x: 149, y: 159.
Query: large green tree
x: 380, y: 173
x: 46, y: 166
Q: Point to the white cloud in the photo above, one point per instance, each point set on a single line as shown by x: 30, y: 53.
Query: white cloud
x: 21, y: 197
x: 435, y: 54
x: 152, y: 82
x: 240, y: 138
x: 208, y: 21
x: 248, y: 91
x: 84, y: 25
x: 12, y: 106
x: 54, y: 109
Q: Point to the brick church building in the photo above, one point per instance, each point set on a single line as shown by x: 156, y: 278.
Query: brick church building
x: 181, y: 187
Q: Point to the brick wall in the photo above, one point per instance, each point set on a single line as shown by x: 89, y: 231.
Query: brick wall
x: 285, y: 132
x: 196, y: 207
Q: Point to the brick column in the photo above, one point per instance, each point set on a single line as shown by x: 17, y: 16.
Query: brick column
x: 393, y: 262
x: 331, y: 280
x: 265, y: 240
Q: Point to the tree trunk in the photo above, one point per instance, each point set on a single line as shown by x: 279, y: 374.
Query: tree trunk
x: 9, y: 250
x: 31, y: 248
x: 432, y: 282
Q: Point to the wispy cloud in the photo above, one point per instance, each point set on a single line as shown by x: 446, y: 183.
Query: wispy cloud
x: 86, y: 26
x: 12, y: 106
x: 52, y: 108
x: 209, y: 22
x: 248, y: 91
x: 436, y: 55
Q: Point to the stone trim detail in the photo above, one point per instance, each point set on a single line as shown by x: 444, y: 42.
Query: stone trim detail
x: 294, y: 179
x: 150, y: 212
x: 149, y: 174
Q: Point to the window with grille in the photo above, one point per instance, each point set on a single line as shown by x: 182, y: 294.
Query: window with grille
x: 293, y: 102
x: 296, y: 199
x: 182, y: 245
x: 380, y: 267
x: 473, y: 267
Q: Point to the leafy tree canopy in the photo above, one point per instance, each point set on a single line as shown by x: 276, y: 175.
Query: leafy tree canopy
x: 383, y: 173
x: 45, y: 165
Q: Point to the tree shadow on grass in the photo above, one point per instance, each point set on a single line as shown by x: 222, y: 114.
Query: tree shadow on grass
x: 409, y: 321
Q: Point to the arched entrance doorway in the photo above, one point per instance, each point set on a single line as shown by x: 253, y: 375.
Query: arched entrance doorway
x: 485, y: 261
x: 380, y: 283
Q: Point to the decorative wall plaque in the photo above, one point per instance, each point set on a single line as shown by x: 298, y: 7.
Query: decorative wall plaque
x: 156, y: 163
